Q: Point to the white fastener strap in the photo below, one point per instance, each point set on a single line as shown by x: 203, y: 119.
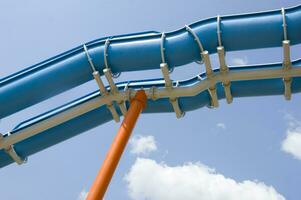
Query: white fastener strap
x: 114, y: 90
x: 175, y: 105
x: 102, y: 89
x: 224, y: 70
x: 223, y: 66
x: 219, y: 37
x: 287, y: 66
x: 168, y: 84
x: 196, y: 38
x: 286, y: 59
x: 209, y: 73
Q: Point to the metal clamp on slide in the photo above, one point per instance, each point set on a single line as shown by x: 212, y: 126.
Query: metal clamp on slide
x: 12, y: 153
x: 109, y: 76
x: 223, y: 66
x: 105, y: 55
x: 168, y: 83
x: 209, y: 72
x: 102, y: 89
x: 127, y: 91
x: 287, y: 65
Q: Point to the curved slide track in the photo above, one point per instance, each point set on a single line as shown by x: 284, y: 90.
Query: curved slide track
x: 143, y: 51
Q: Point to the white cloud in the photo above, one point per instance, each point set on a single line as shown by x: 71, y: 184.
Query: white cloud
x: 83, y: 195
x: 143, y: 144
x: 292, y: 143
x: 239, y: 61
x: 293, y: 123
x: 221, y: 126
x: 149, y: 180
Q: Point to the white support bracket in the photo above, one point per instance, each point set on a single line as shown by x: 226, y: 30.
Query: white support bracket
x: 109, y: 76
x: 196, y: 38
x: 223, y: 66
x: 102, y: 89
x: 287, y: 65
x: 12, y: 153
x: 114, y: 90
x: 127, y: 91
x: 105, y: 58
x: 168, y: 83
x: 209, y: 72
x: 176, y: 92
x: 224, y: 70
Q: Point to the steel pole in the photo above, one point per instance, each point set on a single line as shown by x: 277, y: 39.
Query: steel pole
x: 105, y: 174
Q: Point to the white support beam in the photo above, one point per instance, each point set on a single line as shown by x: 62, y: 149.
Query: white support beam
x: 209, y: 73
x: 108, y: 74
x: 114, y: 90
x: 102, y: 89
x: 100, y: 84
x: 176, y: 92
x: 113, y: 111
x: 286, y: 54
x: 286, y: 58
x: 221, y: 58
x: 224, y: 69
x: 165, y: 72
x: 10, y: 150
x: 175, y: 105
x: 287, y: 66
x: 223, y: 66
x: 168, y: 84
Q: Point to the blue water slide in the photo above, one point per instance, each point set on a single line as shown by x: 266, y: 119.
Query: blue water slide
x: 96, y: 117
x: 141, y: 51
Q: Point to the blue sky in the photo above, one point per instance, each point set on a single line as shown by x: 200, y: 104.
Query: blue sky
x: 253, y: 141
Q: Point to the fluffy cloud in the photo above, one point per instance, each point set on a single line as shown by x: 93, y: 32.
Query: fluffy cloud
x: 221, y: 126
x: 150, y: 180
x: 143, y: 144
x: 292, y: 143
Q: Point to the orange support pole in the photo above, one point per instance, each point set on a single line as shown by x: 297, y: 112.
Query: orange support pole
x: 105, y: 174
